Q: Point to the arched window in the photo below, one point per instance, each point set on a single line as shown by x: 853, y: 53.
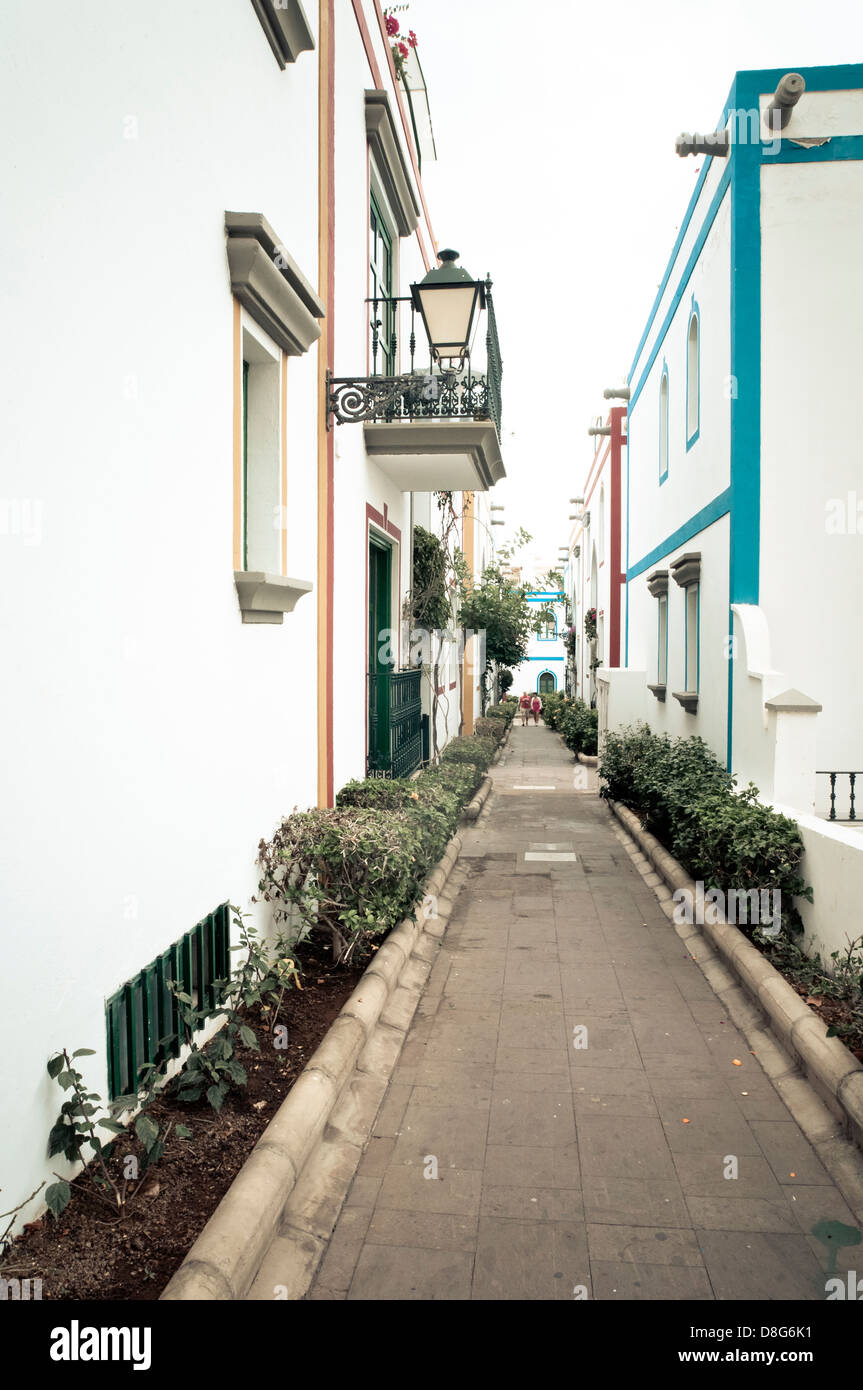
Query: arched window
x: 693, y: 375
x: 663, y: 426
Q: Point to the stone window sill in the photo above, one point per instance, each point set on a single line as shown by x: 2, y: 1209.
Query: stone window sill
x: 688, y: 699
x: 658, y: 691
x: 266, y: 598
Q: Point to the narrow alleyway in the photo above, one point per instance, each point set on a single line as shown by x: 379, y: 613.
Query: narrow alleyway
x: 566, y: 1117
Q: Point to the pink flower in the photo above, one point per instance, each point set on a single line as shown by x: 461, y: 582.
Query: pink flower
x: 404, y: 50
x: 412, y: 38
x: 392, y: 25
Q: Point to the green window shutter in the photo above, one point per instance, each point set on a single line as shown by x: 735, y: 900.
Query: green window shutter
x: 143, y: 1011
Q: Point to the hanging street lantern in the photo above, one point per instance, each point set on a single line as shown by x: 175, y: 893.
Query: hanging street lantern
x: 447, y: 299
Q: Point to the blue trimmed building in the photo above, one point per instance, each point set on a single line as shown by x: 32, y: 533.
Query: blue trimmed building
x: 545, y: 664
x: 743, y: 540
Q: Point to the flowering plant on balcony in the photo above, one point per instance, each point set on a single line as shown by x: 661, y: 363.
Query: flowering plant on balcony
x: 400, y: 47
x: 570, y: 640
x: 590, y: 624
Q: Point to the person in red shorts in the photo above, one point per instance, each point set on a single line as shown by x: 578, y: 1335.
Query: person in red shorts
x: 536, y: 706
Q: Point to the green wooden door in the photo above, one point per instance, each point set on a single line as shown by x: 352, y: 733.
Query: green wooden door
x: 379, y: 669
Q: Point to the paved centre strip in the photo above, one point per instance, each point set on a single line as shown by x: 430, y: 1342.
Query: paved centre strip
x: 573, y: 1114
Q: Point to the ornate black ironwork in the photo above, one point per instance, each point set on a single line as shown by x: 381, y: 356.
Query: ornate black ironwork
x: 417, y: 395
x: 445, y: 396
x: 403, y: 706
x: 852, y: 779
x: 493, y: 357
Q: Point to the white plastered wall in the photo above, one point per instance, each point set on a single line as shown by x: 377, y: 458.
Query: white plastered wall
x: 153, y: 737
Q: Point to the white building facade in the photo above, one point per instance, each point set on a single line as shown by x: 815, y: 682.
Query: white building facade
x: 544, y: 666
x: 199, y: 557
x: 742, y: 554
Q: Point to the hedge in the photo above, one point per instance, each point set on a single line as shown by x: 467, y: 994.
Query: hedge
x: 575, y: 721
x: 506, y: 710
x: 723, y: 837
x: 356, y: 871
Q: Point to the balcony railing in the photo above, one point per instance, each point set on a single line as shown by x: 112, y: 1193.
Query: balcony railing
x: 418, y: 394
x: 852, y: 780
x: 396, y: 698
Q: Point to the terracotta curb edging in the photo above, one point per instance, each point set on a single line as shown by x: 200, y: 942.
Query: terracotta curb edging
x: 223, y: 1262
x: 833, y: 1072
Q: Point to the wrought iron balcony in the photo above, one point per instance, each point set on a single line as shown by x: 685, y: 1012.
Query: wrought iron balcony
x: 418, y: 394
x: 395, y: 723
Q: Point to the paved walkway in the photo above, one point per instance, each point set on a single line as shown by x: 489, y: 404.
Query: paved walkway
x: 509, y: 1160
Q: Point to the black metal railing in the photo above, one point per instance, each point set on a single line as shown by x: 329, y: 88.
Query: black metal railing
x: 396, y: 698
x: 852, y: 776
x: 418, y: 393
x: 494, y: 360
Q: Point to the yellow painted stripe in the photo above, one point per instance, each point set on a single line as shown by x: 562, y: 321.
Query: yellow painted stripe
x: 284, y: 512
x: 238, y: 437
x: 324, y: 41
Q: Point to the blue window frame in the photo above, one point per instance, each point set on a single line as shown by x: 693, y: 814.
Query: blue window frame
x: 663, y: 425
x: 693, y: 376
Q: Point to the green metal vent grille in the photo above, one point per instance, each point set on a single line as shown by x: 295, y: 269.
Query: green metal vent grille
x: 144, y: 1011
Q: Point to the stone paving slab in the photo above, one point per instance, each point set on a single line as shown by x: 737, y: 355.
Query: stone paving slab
x: 566, y: 1118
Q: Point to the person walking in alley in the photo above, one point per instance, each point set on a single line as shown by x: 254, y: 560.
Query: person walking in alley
x: 536, y: 706
x: 524, y: 706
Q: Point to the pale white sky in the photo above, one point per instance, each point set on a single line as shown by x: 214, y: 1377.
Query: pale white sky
x: 555, y: 126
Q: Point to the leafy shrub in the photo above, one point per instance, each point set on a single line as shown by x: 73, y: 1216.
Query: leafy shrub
x: 460, y: 778
x: 577, y: 723
x: 662, y: 778
x: 506, y: 711
x: 553, y: 706
x: 728, y: 840
x: 473, y: 750
x: 350, y: 872
x: 723, y: 837
x: 433, y: 804
x: 490, y: 728
x: 74, y: 1133
x: 505, y: 680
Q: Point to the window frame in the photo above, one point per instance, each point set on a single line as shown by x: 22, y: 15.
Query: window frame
x: 664, y: 418
x: 381, y: 227
x: 268, y: 356
x: 693, y: 382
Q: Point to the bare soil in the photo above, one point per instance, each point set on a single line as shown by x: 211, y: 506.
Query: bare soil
x: 91, y: 1252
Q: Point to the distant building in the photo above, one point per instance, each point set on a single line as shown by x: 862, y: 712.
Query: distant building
x: 544, y: 666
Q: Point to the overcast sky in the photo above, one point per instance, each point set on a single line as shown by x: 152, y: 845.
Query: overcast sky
x: 555, y: 126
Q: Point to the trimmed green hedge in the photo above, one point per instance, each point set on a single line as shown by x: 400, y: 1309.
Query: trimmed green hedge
x: 473, y: 750
x: 506, y: 710
x: 494, y: 729
x: 575, y: 721
x: 723, y: 837
x: 357, y: 870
